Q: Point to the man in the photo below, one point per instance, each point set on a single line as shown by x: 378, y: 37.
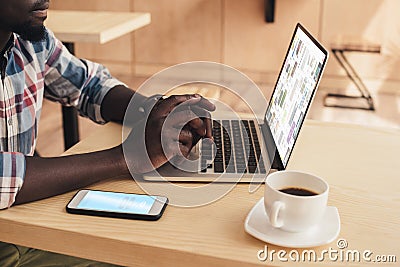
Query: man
x: 35, y: 64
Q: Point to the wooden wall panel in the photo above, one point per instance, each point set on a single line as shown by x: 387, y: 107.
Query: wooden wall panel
x: 180, y: 31
x: 367, y: 19
x: 234, y: 32
x: 252, y: 44
x: 348, y: 17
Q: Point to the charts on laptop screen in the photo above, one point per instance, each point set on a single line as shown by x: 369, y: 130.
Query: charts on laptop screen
x: 294, y: 91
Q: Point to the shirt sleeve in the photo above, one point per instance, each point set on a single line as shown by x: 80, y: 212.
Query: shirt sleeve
x: 12, y: 173
x: 76, y: 82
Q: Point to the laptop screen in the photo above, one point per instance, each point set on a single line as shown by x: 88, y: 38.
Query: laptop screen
x: 294, y: 90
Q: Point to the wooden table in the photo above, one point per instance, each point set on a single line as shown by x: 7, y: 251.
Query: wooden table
x: 94, y: 26
x: 360, y: 164
x: 89, y: 26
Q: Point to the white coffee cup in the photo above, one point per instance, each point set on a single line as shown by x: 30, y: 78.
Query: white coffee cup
x: 294, y: 213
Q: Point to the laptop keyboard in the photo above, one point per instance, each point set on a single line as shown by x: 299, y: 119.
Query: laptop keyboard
x: 237, y: 148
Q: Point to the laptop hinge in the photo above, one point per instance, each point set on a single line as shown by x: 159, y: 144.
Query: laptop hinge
x: 272, y: 151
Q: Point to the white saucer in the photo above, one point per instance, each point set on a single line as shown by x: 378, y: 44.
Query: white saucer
x: 257, y: 225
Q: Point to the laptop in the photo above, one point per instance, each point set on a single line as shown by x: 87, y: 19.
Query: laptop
x: 246, y: 150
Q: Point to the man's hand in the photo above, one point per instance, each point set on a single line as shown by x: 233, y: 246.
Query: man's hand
x: 172, y: 129
x: 177, y: 123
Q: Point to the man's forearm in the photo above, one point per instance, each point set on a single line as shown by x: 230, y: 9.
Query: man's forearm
x: 46, y: 177
x: 116, y: 102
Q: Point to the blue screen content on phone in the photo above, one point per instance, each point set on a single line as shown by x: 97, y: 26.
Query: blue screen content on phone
x: 117, y: 202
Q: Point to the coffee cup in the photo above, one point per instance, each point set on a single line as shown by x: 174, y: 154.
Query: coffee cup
x: 295, y: 201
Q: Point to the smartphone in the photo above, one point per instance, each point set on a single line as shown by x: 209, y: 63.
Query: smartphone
x: 117, y: 205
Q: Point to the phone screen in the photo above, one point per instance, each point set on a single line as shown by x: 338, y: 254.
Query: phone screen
x: 116, y: 202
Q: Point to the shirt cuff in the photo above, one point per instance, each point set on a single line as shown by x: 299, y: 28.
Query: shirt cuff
x: 12, y: 171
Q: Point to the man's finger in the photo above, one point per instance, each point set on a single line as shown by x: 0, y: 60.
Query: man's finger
x: 197, y: 126
x: 203, y: 103
x: 180, y: 148
x: 206, y: 121
x: 172, y: 137
x: 186, y: 117
x: 208, y: 125
x: 167, y: 105
x: 178, y: 119
x: 186, y: 138
x: 206, y: 104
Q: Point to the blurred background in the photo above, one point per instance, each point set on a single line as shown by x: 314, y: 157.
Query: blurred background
x: 235, y: 32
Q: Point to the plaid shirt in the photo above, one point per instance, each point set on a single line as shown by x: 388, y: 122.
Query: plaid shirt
x: 31, y: 71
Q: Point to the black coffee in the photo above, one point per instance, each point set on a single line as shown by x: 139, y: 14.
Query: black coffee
x: 298, y: 191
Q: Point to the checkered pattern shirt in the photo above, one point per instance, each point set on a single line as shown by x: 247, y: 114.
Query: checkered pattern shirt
x: 31, y: 71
